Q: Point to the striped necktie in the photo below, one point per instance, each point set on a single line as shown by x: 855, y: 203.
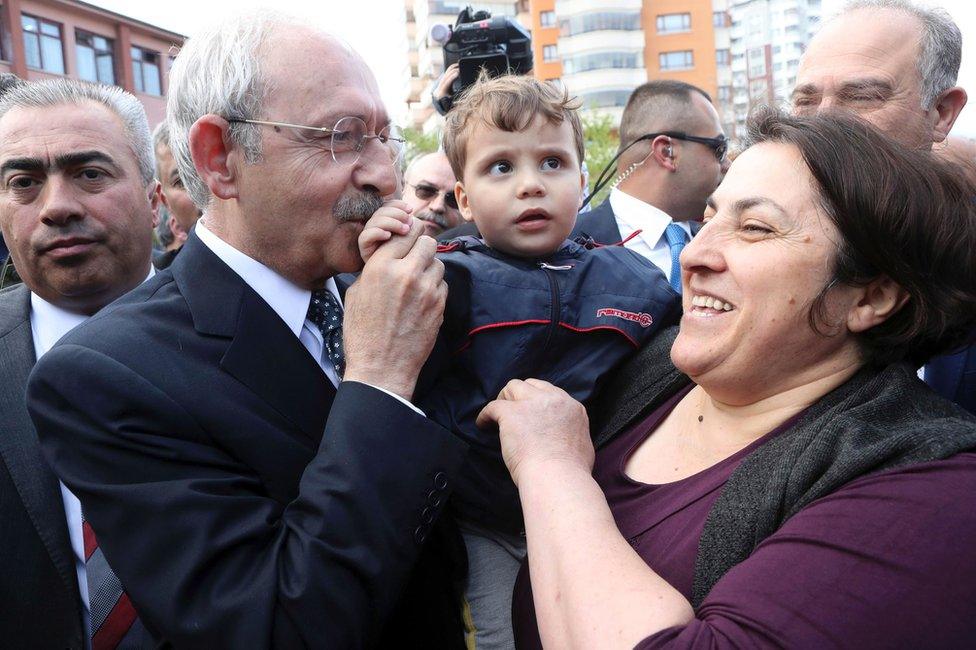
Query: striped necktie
x: 677, y: 238
x: 111, y: 612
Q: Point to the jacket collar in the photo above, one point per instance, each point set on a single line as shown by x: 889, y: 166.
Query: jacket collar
x: 20, y: 450
x: 263, y: 353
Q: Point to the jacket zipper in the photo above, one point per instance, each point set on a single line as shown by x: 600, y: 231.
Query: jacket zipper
x: 555, y: 309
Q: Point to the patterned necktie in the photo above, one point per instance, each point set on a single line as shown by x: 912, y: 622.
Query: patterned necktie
x: 325, y: 312
x: 677, y: 238
x: 111, y: 612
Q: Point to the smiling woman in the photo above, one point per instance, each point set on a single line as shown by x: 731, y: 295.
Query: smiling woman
x: 788, y: 481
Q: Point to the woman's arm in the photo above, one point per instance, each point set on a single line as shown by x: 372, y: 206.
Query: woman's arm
x: 591, y: 589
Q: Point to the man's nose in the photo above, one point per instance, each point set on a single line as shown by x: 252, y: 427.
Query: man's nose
x: 437, y: 203
x: 59, y: 202
x: 376, y: 169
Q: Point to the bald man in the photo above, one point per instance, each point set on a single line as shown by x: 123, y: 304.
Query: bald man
x: 673, y: 156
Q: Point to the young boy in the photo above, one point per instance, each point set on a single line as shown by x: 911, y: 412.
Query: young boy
x: 524, y: 302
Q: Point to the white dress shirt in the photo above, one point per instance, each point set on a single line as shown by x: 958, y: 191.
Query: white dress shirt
x: 285, y: 298
x: 49, y: 324
x: 633, y: 214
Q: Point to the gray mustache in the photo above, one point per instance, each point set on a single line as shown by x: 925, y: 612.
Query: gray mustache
x: 357, y: 207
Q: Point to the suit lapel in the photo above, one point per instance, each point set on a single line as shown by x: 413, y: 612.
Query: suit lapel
x: 263, y: 354
x: 19, y: 448
x: 600, y: 224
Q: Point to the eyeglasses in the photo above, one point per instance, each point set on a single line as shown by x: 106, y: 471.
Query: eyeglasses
x: 426, y: 192
x: 346, y: 140
x: 719, y: 145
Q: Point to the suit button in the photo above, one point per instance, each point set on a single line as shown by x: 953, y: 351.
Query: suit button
x: 440, y: 481
x: 434, y: 499
x: 420, y: 534
x: 427, y: 515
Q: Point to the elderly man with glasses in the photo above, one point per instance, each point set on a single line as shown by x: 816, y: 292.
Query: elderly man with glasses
x: 238, y: 429
x: 429, y: 191
x: 672, y: 157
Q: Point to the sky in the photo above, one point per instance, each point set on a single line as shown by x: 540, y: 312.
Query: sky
x: 375, y: 29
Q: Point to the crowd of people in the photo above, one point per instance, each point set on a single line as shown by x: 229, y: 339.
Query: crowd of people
x: 350, y: 402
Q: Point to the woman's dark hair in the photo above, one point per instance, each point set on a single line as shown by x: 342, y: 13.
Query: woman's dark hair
x: 900, y: 213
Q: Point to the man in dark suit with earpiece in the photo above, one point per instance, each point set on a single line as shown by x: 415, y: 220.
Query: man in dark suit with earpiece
x: 672, y: 157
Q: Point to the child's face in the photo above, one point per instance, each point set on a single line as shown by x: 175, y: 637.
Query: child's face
x: 522, y: 188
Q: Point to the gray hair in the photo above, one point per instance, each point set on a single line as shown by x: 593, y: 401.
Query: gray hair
x: 218, y: 71
x: 160, y: 136
x: 941, y: 47
x: 55, y: 92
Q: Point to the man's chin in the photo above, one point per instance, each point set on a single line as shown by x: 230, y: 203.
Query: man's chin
x: 432, y: 230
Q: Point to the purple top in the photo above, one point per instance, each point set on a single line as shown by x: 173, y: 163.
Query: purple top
x: 889, y: 560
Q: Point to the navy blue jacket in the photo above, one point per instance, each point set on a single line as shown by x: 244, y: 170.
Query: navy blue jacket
x: 569, y: 319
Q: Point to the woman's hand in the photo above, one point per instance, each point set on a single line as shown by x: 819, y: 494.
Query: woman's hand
x: 539, y: 424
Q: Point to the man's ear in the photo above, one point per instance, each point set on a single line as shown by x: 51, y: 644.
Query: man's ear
x: 662, y: 151
x: 214, y: 155
x: 179, y: 235
x: 464, y: 207
x: 155, y: 196
x: 878, y: 301
x: 945, y: 110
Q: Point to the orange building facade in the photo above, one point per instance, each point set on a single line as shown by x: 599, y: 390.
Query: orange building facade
x: 47, y: 39
x: 545, y: 40
x: 680, y: 42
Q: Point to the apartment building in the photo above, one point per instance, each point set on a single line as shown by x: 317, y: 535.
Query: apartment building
x: 47, y: 39
x: 426, y: 57
x: 767, y: 39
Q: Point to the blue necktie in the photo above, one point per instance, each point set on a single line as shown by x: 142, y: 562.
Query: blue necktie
x: 325, y: 312
x: 677, y: 238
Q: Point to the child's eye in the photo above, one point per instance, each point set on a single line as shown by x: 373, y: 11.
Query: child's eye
x: 551, y: 163
x: 500, y: 167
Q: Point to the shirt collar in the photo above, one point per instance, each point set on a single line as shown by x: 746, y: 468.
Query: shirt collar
x: 49, y: 323
x: 638, y: 215
x: 285, y: 298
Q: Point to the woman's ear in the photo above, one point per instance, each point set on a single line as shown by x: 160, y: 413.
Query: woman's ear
x: 214, y: 155
x: 877, y: 302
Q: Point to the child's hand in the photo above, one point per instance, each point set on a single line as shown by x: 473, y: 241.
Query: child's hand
x: 391, y: 219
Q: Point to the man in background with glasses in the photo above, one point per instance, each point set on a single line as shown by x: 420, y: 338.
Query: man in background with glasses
x: 429, y: 191
x: 239, y: 429
x: 672, y: 156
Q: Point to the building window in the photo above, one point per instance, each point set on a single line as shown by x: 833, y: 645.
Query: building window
x: 673, y: 23
x: 720, y: 19
x: 42, y: 44
x: 145, y: 71
x: 724, y: 93
x: 681, y: 60
x: 549, y: 53
x: 606, y: 98
x: 601, y: 61
x: 722, y: 57
x: 600, y: 21
x: 96, y: 59
x: 547, y: 19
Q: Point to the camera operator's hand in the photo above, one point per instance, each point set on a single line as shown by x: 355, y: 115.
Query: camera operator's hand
x: 442, y: 91
x: 444, y: 85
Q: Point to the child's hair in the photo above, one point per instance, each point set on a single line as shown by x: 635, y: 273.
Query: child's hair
x: 509, y: 103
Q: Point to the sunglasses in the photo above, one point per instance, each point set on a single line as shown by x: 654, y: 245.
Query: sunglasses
x: 426, y: 192
x: 719, y: 145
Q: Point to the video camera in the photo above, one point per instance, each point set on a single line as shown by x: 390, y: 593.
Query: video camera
x: 478, y: 42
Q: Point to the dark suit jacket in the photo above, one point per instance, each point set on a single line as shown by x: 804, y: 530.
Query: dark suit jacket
x: 954, y: 377
x: 600, y: 223
x: 242, y: 500
x: 40, y: 606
